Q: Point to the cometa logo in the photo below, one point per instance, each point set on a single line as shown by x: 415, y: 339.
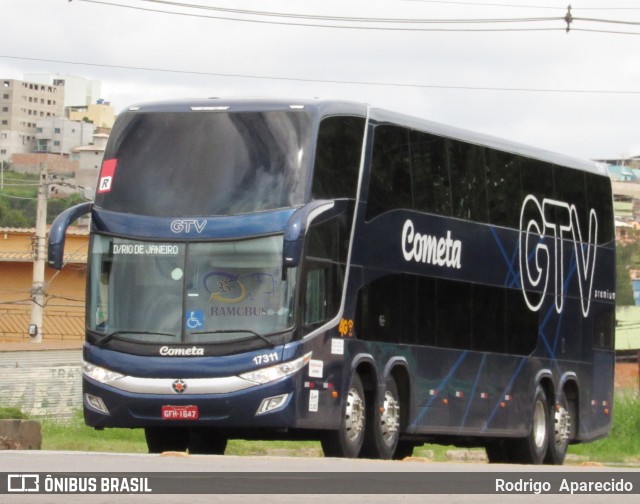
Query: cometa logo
x: 166, y: 351
x: 443, y: 251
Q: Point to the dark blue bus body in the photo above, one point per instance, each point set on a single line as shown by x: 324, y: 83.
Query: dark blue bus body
x: 327, y: 270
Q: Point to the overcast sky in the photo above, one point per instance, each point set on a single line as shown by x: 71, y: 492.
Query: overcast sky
x: 505, y: 83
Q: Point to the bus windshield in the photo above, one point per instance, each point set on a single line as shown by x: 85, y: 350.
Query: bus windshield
x: 189, y: 292
x: 206, y: 163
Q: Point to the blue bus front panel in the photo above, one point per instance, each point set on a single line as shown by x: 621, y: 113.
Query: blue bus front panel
x: 157, y: 395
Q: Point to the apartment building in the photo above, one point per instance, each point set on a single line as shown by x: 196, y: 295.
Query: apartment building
x: 60, y: 135
x: 78, y: 91
x: 101, y: 114
x: 22, y: 104
x: 89, y: 162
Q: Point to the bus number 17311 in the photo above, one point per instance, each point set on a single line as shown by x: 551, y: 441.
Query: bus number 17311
x: 265, y: 358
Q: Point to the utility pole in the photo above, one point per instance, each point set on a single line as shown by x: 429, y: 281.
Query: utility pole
x: 37, y: 290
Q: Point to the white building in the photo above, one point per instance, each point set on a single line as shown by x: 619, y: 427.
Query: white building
x: 89, y: 162
x: 22, y: 104
x: 60, y: 135
x: 78, y: 91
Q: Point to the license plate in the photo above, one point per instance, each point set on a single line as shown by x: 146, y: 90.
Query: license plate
x: 180, y: 413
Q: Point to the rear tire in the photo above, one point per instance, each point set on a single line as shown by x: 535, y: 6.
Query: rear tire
x: 561, y: 421
x: 347, y: 440
x: 162, y: 439
x: 383, y: 425
x: 533, y: 448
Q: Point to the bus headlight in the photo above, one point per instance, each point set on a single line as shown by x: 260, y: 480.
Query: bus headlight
x: 99, y: 374
x: 272, y: 373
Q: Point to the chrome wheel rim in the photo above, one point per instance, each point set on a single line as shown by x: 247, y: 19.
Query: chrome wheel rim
x: 539, y: 425
x: 562, y: 425
x: 354, y: 415
x: 390, y: 418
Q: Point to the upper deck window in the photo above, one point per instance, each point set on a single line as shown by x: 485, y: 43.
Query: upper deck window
x: 206, y: 163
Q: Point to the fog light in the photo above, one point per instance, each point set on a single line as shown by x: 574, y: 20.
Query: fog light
x: 96, y: 403
x: 272, y: 404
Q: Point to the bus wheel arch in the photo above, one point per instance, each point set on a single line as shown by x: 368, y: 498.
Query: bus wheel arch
x: 387, y: 415
x: 348, y: 439
x: 532, y: 448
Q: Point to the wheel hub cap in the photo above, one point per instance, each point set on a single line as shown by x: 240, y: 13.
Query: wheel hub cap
x: 354, y: 414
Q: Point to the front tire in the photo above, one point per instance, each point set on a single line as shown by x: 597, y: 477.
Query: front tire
x: 347, y: 440
x: 204, y: 441
x: 162, y: 439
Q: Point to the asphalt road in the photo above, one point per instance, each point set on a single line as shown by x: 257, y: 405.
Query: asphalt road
x: 294, y: 474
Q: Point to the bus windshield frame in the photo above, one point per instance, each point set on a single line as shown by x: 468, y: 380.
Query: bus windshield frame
x: 190, y: 292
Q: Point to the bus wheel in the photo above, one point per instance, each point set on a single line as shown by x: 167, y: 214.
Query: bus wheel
x: 532, y: 449
x: 347, y: 440
x: 207, y: 442
x: 162, y: 439
x: 383, y: 429
x: 561, y: 421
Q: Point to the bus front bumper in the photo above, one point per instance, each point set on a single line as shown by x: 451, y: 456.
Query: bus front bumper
x: 264, y: 397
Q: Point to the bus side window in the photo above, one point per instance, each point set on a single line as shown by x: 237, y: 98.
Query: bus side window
x: 599, y: 198
x: 390, y: 185
x: 430, y: 173
x: 468, y: 186
x: 337, y: 160
x: 603, y: 323
x: 315, y: 309
x: 503, y: 188
x: 324, y: 267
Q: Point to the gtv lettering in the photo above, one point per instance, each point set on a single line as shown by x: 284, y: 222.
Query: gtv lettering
x: 188, y: 225
x: 556, y: 219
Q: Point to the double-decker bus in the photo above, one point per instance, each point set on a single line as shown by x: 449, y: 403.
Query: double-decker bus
x: 329, y: 270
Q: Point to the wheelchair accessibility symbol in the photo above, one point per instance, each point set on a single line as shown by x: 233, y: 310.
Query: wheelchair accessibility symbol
x: 194, y: 319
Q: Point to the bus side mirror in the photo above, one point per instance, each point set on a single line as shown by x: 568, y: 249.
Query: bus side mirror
x: 58, y: 232
x: 298, y: 224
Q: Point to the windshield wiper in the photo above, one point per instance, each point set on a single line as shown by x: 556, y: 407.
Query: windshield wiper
x: 231, y: 331
x: 106, y: 338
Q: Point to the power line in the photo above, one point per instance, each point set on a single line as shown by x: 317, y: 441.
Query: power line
x: 330, y: 81
x: 351, y: 27
x: 402, y: 21
x: 17, y: 197
x: 339, y: 18
x: 610, y: 21
x: 518, y: 6
x: 486, y: 4
x: 610, y: 32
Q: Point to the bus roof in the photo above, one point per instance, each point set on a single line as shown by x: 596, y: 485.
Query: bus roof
x: 331, y: 107
x: 382, y: 115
